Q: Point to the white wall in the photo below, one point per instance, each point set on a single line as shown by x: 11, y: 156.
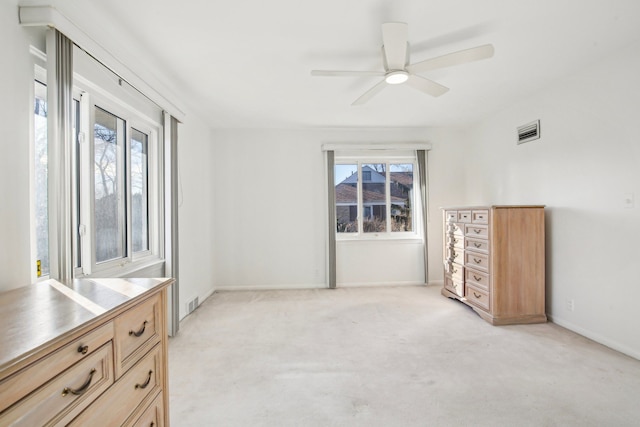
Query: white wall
x: 270, y: 216
x: 195, y: 211
x: 587, y: 160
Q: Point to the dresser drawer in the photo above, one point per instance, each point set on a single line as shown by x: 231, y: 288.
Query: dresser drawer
x: 455, y: 270
x: 476, y: 278
x: 135, y: 333
x: 464, y: 216
x: 455, y: 255
x: 120, y: 401
x: 476, y: 230
x: 454, y: 286
x: 478, y: 245
x: 480, y: 216
x: 451, y: 216
x: 477, y: 297
x: 455, y: 241
x: 153, y: 415
x: 476, y: 260
x: 25, y: 381
x: 456, y: 229
x: 62, y: 398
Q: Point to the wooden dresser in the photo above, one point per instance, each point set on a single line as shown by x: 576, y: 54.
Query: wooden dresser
x: 90, y: 353
x: 494, y: 261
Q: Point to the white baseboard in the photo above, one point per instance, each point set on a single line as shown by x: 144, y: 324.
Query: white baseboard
x: 378, y: 284
x: 595, y: 337
x: 270, y: 287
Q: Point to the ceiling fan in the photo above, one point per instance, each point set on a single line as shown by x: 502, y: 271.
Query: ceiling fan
x: 397, y: 69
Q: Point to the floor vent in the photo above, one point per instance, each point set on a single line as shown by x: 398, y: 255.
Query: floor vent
x: 529, y: 132
x: 192, y: 305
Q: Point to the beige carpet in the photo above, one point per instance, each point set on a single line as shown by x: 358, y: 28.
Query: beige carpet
x: 403, y: 356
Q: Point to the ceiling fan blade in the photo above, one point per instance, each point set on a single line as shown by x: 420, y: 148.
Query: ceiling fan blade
x: 331, y: 73
x: 455, y: 58
x: 427, y: 86
x: 370, y: 93
x: 394, y: 39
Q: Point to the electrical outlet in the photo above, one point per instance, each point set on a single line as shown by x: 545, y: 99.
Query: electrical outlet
x: 629, y: 201
x: 570, y: 305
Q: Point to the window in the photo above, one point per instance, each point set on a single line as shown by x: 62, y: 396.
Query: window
x: 117, y: 210
x: 382, y: 191
x: 113, y: 169
x: 40, y: 179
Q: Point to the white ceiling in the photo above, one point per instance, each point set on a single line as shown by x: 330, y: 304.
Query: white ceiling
x: 247, y: 63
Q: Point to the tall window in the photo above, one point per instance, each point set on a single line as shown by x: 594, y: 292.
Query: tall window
x: 40, y: 169
x: 374, y: 198
x: 116, y: 206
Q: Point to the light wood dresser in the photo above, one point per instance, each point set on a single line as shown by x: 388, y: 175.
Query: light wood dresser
x: 494, y: 261
x: 90, y: 353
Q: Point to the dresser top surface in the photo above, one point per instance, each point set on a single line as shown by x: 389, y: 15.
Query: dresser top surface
x: 466, y: 208
x: 34, y: 316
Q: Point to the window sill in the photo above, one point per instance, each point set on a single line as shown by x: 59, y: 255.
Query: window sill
x: 126, y: 270
x: 410, y: 239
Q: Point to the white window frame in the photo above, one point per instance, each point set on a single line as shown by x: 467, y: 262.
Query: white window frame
x: 363, y: 158
x: 91, y: 97
x: 39, y: 74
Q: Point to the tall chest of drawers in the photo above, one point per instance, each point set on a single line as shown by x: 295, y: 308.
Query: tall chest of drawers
x: 494, y: 261
x: 89, y: 353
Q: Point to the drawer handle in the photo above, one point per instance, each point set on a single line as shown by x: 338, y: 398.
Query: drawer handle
x: 477, y: 245
x: 476, y: 295
x: 84, y: 349
x: 83, y: 388
x: 454, y: 271
x: 455, y: 241
x: 477, y: 231
x: 477, y: 278
x: 455, y: 255
x: 477, y: 261
x: 146, y: 383
x: 141, y: 331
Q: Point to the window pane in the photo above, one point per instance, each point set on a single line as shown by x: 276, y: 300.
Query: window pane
x: 76, y: 133
x: 374, y: 198
x: 109, y: 189
x: 139, y: 191
x: 41, y: 181
x: 401, y: 187
x: 346, y: 182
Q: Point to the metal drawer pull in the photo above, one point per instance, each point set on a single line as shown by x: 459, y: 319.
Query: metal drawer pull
x: 146, y: 383
x: 477, y: 261
x: 141, y: 331
x: 455, y: 241
x: 454, y: 271
x: 83, y: 388
x: 477, y: 245
x: 84, y: 349
x: 477, y: 278
x: 476, y: 295
x: 477, y: 231
x: 455, y: 255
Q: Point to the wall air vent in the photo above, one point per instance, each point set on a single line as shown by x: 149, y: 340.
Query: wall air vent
x: 529, y: 132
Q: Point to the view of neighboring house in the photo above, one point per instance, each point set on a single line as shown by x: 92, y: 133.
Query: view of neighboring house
x: 374, y: 201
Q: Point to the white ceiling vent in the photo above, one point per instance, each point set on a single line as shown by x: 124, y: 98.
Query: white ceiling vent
x: 529, y: 132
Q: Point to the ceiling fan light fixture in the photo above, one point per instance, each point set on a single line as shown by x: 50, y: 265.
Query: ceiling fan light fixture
x: 396, y: 77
